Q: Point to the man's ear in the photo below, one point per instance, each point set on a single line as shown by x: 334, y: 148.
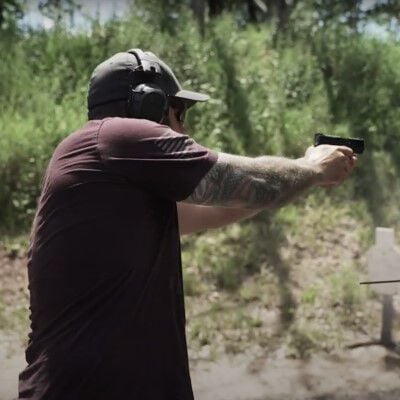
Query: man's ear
x: 165, y: 120
x: 175, y: 124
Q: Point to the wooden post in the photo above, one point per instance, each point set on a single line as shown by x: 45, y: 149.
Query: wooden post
x: 387, y: 321
x: 384, y: 264
x: 383, y: 260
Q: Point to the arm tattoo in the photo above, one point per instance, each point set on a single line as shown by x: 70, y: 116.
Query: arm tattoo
x: 236, y: 181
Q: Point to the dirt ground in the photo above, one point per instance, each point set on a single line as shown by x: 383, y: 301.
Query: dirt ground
x: 366, y: 373
x: 369, y: 373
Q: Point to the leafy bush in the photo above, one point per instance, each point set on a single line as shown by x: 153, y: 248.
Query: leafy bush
x: 265, y: 98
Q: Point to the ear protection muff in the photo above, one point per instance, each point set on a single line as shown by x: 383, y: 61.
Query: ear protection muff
x: 146, y: 100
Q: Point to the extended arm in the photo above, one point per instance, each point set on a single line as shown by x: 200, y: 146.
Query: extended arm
x: 238, y: 187
x: 254, y: 183
x: 270, y: 182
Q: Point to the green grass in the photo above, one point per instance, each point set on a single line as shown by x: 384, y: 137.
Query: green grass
x: 302, y: 293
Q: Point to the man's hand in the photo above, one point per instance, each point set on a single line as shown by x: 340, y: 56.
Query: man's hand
x: 333, y: 163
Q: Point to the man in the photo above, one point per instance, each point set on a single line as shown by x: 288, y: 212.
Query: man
x: 107, y: 308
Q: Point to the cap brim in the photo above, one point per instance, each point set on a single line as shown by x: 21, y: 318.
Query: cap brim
x: 191, y: 97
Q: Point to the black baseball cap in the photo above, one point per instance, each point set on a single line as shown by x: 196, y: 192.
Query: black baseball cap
x: 113, y: 79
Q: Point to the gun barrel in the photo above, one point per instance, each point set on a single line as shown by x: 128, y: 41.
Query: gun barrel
x: 356, y: 144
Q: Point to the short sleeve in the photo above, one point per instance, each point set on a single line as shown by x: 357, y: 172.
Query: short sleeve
x: 153, y: 156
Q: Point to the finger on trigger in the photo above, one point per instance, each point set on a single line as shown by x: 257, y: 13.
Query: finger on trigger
x: 353, y: 160
x: 346, y: 150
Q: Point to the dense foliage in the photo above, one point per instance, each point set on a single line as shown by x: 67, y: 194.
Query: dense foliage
x: 269, y: 93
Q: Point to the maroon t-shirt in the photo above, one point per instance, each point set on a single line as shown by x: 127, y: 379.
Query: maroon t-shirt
x: 105, y: 278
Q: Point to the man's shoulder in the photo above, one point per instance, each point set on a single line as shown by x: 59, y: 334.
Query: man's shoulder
x: 118, y: 125
x: 125, y: 131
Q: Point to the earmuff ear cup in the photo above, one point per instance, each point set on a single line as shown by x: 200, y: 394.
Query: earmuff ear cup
x: 148, y: 101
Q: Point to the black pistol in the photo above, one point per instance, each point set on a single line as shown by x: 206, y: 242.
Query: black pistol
x: 356, y: 144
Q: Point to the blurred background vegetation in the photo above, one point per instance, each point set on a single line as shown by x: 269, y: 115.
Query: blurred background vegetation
x: 278, y: 71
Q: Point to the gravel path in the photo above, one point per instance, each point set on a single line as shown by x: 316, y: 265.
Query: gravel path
x: 12, y: 361
x: 361, y: 374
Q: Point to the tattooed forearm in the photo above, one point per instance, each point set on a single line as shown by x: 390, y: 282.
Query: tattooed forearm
x: 261, y: 182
